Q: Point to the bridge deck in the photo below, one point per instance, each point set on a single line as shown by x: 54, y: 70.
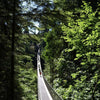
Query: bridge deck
x: 43, y: 93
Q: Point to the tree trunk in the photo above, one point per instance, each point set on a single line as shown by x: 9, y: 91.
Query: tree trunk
x: 12, y: 55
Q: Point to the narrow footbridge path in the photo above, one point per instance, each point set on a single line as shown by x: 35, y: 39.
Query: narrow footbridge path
x: 45, y: 91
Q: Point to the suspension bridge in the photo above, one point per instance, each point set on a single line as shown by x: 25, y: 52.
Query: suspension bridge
x: 45, y: 91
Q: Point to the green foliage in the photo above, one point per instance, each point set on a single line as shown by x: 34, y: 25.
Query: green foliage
x: 53, y: 43
x: 70, y: 40
x: 76, y: 60
x: 26, y: 77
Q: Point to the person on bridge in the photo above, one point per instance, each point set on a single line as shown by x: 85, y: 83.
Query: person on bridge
x: 40, y: 72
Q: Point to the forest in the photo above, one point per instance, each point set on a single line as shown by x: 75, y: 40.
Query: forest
x: 68, y: 32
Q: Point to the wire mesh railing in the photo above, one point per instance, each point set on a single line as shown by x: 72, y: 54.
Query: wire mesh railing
x: 52, y: 92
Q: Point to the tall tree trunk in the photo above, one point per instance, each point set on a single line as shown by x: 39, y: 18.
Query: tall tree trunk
x: 12, y: 56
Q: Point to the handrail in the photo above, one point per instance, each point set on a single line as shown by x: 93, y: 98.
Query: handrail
x: 54, y: 94
x: 38, y: 81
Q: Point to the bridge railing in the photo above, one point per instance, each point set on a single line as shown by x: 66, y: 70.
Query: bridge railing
x: 52, y: 92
